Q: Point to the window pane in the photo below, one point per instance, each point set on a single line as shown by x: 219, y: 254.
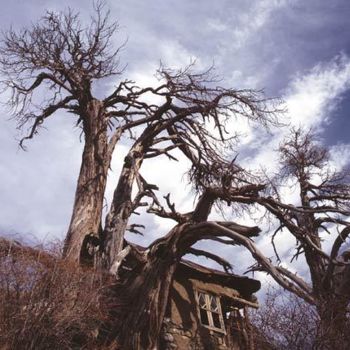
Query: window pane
x: 204, y: 317
x: 216, y: 320
x: 214, y: 304
x: 201, y: 299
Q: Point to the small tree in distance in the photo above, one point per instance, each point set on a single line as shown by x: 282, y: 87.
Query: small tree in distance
x: 285, y: 321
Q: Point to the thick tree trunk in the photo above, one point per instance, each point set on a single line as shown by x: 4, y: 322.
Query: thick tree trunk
x: 144, y: 279
x: 331, y: 306
x: 143, y: 294
x: 333, y: 330
x: 88, y: 202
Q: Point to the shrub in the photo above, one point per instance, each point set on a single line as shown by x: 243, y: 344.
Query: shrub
x: 46, y: 303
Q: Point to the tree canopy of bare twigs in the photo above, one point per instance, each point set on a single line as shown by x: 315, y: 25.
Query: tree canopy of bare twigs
x: 53, y: 65
x: 322, y: 209
x: 51, y: 68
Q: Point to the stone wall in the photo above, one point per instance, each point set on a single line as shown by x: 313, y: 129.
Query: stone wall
x: 175, y: 336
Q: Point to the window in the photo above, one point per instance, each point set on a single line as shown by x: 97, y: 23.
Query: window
x: 210, y: 311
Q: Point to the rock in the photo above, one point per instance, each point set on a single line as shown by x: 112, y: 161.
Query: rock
x: 188, y: 334
x: 168, y: 337
x: 174, y: 330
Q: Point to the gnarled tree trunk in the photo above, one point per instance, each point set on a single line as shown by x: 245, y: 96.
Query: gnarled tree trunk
x: 333, y: 330
x: 144, y: 294
x: 144, y: 277
x: 122, y: 205
x: 88, y: 202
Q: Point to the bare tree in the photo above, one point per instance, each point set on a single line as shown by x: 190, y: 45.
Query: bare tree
x: 323, y: 208
x: 51, y: 68
x: 144, y: 276
x: 191, y: 104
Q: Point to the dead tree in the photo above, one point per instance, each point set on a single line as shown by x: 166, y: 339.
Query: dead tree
x: 190, y: 105
x: 323, y: 208
x: 144, y: 276
x: 51, y: 67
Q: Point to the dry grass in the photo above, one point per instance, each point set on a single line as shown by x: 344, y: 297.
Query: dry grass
x: 46, y: 303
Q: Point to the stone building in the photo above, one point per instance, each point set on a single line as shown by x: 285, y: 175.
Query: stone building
x: 207, y: 309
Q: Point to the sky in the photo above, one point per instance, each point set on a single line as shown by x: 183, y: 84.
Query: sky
x: 293, y: 49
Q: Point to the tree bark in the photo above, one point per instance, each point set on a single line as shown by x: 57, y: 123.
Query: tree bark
x: 333, y: 330
x: 88, y: 202
x: 121, y: 207
x: 145, y: 293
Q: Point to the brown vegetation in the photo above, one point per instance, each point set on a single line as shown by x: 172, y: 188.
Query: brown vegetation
x: 46, y: 303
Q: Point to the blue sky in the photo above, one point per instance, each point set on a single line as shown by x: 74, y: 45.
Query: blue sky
x: 297, y: 50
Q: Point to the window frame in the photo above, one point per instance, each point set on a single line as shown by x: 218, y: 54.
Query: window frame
x: 209, y: 311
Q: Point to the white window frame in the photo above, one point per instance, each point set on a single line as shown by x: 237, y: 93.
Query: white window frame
x: 209, y: 311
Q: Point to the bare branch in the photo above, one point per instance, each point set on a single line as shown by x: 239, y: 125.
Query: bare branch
x: 273, y: 242
x: 222, y: 262
x: 47, y: 112
x: 297, y: 280
x: 59, y: 58
x: 264, y: 262
x: 133, y: 228
x: 157, y: 209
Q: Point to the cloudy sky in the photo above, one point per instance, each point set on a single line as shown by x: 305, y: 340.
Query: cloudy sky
x: 295, y: 49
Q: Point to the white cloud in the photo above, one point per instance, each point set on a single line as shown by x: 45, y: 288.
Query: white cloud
x: 176, y: 56
x: 340, y: 155
x: 170, y: 177
x: 310, y: 98
x: 217, y: 25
